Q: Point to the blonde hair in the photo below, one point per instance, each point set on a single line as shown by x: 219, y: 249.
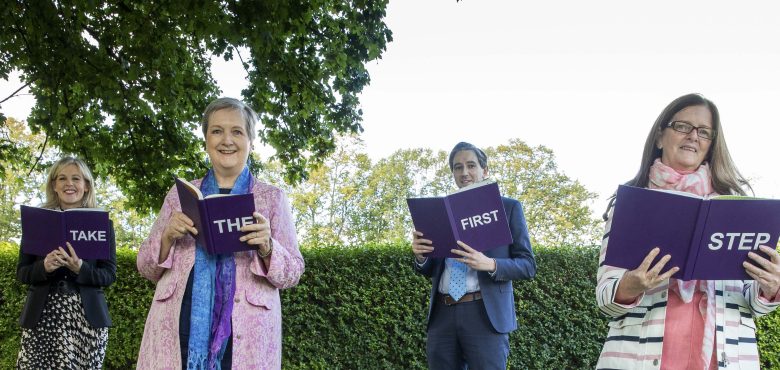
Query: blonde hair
x: 52, y: 200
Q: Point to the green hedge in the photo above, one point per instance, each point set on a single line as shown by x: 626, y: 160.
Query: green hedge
x: 365, y: 308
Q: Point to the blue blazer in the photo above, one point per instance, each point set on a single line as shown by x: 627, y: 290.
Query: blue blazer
x: 513, y: 262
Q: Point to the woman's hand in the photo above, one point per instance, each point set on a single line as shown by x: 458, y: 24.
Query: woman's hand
x: 474, y: 258
x: 420, y: 246
x: 258, y: 234
x: 768, y: 275
x: 178, y: 226
x: 53, y: 260
x: 636, y: 282
x: 72, y: 261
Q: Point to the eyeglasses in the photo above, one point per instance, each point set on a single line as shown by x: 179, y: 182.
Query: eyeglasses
x: 703, y: 132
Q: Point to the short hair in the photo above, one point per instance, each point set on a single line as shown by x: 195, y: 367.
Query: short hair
x: 726, y: 179
x: 52, y: 200
x: 461, y: 146
x: 247, y: 113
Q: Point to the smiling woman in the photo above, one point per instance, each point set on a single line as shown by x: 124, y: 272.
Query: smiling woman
x: 679, y: 324
x: 220, y: 311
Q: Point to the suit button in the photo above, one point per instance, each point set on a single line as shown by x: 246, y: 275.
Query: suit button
x: 663, y: 295
x: 655, y: 362
x: 237, y: 300
x: 238, y: 336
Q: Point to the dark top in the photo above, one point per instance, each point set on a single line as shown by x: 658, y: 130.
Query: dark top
x: 93, y: 276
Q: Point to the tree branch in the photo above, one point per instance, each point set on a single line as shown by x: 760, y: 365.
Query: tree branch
x: 14, y: 93
x: 38, y: 160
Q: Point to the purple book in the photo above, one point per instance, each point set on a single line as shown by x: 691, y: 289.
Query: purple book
x: 474, y: 215
x: 218, y: 217
x: 707, y: 239
x: 87, y: 230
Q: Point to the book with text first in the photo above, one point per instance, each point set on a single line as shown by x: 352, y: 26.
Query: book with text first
x: 473, y: 214
x: 217, y: 217
x: 707, y: 238
x: 87, y: 229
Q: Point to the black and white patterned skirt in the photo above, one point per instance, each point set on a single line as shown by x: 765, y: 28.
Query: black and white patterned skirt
x: 63, y: 339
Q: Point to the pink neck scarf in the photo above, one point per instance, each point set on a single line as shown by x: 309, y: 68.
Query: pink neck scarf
x: 698, y: 182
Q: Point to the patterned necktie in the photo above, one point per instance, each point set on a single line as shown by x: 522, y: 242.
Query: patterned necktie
x: 457, y: 278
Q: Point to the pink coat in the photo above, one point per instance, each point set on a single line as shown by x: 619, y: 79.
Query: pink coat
x: 257, y: 315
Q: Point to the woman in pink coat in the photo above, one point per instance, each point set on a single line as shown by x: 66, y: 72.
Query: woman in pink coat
x: 220, y: 311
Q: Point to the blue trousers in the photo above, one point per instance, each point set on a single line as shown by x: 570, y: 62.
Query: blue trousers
x: 461, y: 337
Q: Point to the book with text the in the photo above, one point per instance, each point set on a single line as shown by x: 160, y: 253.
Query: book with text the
x: 707, y: 239
x: 87, y: 230
x: 473, y: 214
x: 217, y: 217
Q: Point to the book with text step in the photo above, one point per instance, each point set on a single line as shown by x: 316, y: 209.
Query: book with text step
x: 87, y: 230
x: 473, y: 214
x: 707, y: 239
x: 217, y: 217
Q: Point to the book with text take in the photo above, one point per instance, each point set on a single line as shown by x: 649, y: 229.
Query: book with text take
x: 473, y: 214
x: 706, y: 238
x: 217, y: 217
x: 87, y: 230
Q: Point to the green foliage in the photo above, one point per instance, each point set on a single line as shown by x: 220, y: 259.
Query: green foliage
x: 351, y: 200
x: 365, y: 308
x: 133, y: 78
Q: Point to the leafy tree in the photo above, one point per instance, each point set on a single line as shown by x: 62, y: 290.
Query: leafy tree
x: 555, y: 206
x: 122, y: 84
x: 350, y: 200
x: 23, y: 183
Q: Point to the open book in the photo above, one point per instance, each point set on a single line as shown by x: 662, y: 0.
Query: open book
x: 473, y: 214
x: 706, y: 238
x: 87, y: 229
x: 218, y: 217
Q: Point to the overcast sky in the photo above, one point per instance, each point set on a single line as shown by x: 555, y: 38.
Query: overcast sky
x: 586, y: 79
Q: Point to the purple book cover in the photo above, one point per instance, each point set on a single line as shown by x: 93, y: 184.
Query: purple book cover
x: 218, y: 218
x: 684, y: 227
x: 474, y: 215
x: 87, y: 230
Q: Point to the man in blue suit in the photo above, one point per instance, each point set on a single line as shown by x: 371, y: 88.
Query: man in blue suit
x: 472, y: 306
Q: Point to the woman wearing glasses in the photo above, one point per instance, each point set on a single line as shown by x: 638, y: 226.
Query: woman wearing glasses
x: 659, y: 322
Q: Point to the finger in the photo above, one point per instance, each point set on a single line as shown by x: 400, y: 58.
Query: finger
x: 72, y: 252
x: 460, y: 252
x: 423, y: 241
x: 416, y: 233
x: 184, y: 219
x: 761, y: 261
x: 749, y: 267
x: 645, y: 265
x: 773, y: 255
x: 260, y: 218
x: 668, y: 274
x: 191, y: 229
x: 659, y: 266
x: 466, y: 246
x: 422, y: 249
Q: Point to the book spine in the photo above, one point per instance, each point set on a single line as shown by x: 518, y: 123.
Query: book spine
x: 64, y: 237
x: 696, y: 240
x: 205, y: 223
x: 451, y: 220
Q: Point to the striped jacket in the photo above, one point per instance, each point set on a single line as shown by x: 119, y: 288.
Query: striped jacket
x: 636, y: 334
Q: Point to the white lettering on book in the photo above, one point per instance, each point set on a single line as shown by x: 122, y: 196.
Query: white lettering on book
x: 746, y: 241
x: 479, y: 220
x: 88, y: 236
x: 233, y: 224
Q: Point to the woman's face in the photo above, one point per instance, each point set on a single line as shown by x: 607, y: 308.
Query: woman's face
x: 227, y: 142
x: 466, y: 169
x: 70, y: 186
x: 685, y: 152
